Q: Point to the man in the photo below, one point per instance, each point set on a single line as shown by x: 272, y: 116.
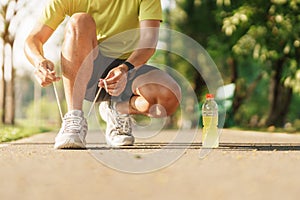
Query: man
x: 96, y: 55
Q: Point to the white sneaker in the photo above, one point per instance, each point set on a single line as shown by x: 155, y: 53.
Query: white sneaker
x: 118, y: 126
x: 73, y: 131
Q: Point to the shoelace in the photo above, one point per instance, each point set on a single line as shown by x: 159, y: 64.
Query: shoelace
x: 95, y: 99
x: 123, y: 125
x: 72, y: 124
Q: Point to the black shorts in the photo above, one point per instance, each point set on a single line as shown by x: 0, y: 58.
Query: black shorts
x: 102, y: 65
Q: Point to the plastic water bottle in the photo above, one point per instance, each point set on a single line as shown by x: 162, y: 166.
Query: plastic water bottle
x: 210, y: 135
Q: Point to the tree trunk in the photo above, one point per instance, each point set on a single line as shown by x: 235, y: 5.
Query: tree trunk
x: 2, y: 95
x: 279, y: 97
x: 242, y: 91
x: 237, y: 99
x: 10, y: 103
x: 9, y: 109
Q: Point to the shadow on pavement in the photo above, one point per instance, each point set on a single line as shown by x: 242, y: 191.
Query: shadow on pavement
x: 194, y: 145
x: 260, y: 146
x: 222, y: 146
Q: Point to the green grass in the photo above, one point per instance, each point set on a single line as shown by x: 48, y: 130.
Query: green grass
x: 10, y: 133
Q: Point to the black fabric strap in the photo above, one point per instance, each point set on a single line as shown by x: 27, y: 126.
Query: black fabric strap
x: 129, y: 65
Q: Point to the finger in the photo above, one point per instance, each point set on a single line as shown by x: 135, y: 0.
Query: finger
x: 116, y: 90
x: 110, y: 89
x: 42, y: 69
x: 111, y: 86
x: 41, y: 82
x: 52, y: 76
x: 45, y: 84
x: 58, y: 78
x: 117, y: 85
x: 111, y: 80
x: 40, y: 76
x: 102, y: 83
x: 114, y: 77
x: 44, y: 80
x: 48, y: 74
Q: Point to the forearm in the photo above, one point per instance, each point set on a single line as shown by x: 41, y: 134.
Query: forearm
x: 34, y: 44
x: 34, y: 51
x: 146, y: 46
x: 141, y: 56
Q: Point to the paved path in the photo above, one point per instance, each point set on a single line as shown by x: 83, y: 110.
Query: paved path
x: 248, y: 165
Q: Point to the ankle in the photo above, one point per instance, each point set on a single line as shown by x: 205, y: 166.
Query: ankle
x: 75, y: 112
x: 120, y: 107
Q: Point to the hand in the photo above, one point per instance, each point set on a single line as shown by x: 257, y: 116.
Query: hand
x: 116, y: 80
x: 45, y: 73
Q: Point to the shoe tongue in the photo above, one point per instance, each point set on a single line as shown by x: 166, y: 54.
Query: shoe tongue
x: 123, y: 115
x: 77, y: 113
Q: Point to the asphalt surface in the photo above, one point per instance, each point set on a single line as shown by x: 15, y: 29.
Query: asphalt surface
x: 164, y: 165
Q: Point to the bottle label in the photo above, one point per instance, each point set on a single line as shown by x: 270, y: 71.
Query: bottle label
x: 210, y: 113
x: 210, y: 121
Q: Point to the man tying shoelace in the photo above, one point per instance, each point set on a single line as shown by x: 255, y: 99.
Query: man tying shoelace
x: 104, y: 53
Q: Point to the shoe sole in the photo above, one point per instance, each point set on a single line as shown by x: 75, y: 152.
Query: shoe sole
x: 128, y: 142
x: 69, y: 143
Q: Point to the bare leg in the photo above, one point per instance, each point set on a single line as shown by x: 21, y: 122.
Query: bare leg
x: 77, y: 59
x: 156, y: 95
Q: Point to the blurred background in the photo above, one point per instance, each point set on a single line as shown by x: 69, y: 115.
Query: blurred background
x: 254, y: 44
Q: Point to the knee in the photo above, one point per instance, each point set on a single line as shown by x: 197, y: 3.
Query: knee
x: 81, y: 23
x: 82, y: 20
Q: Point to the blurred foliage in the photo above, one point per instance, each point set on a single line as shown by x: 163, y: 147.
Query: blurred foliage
x: 43, y: 110
x: 10, y: 133
x: 255, y: 45
x: 268, y: 33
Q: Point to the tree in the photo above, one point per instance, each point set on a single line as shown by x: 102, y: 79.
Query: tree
x: 198, y: 22
x: 8, y: 14
x: 251, y: 42
x: 268, y: 31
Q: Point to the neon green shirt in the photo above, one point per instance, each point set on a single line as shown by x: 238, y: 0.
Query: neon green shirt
x: 117, y: 18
